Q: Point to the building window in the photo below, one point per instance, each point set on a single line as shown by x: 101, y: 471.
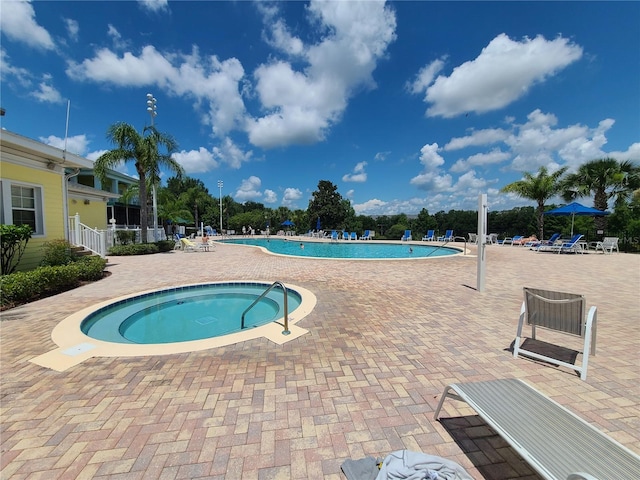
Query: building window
x: 22, y: 205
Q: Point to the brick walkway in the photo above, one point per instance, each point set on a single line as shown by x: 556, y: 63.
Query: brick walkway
x: 384, y: 340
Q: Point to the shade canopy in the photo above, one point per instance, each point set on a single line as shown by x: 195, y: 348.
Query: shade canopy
x: 287, y: 223
x: 575, y: 208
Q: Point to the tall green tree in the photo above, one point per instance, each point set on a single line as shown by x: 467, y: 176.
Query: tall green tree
x: 150, y: 151
x: 605, y: 179
x: 540, y: 188
x: 327, y: 204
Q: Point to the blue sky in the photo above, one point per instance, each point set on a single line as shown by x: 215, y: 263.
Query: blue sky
x: 403, y: 105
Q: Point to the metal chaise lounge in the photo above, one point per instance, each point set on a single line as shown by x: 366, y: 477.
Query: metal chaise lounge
x: 562, y: 312
x: 557, y: 443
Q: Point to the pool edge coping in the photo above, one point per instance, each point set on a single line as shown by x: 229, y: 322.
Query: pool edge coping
x: 74, y: 346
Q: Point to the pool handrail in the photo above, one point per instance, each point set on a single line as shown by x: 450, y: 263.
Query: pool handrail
x: 286, y: 306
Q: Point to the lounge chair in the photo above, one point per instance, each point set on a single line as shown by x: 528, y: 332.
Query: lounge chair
x: 447, y: 237
x: 189, y: 245
x: 406, y: 237
x: 572, y: 246
x: 473, y: 238
x: 492, y: 238
x: 345, y: 235
x: 354, y: 236
x: 556, y: 442
x: 562, y: 312
x: 510, y: 240
x: 606, y: 245
x: 366, y: 235
x: 334, y: 236
x: 429, y: 237
x: 547, y: 243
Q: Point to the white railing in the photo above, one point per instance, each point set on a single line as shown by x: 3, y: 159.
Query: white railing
x: 98, y: 241
x: 91, y: 239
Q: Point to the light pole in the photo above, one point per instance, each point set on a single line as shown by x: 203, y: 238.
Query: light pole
x: 220, y: 187
x: 151, y: 108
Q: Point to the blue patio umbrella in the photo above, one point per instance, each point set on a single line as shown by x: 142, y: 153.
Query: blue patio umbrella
x: 574, y: 209
x: 318, y: 225
x: 287, y: 223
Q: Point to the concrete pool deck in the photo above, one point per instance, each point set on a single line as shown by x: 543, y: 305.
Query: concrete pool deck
x: 384, y: 339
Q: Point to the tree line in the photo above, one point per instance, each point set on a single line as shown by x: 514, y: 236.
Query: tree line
x: 186, y: 200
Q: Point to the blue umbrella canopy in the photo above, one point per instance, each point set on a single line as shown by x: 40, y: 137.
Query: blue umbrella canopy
x: 318, y: 224
x: 287, y: 223
x: 575, y: 208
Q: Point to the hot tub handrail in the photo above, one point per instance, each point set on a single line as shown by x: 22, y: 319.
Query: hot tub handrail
x: 286, y: 306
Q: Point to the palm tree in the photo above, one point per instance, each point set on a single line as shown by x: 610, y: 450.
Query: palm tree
x: 144, y: 151
x: 605, y: 178
x: 540, y: 187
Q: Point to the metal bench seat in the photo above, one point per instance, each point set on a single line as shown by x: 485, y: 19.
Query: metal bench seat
x: 554, y: 441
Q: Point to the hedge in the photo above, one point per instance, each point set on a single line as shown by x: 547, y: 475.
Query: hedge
x: 23, y: 287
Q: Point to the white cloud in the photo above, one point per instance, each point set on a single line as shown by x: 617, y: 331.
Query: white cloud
x: 480, y: 159
x: 95, y: 154
x: 430, y: 157
x: 282, y: 39
x: 432, y: 181
x: 196, y: 161
x: 77, y: 144
x: 154, y: 5
x: 381, y: 156
x: 228, y: 152
x: 374, y: 205
x: 358, y: 174
x: 290, y: 197
x: 425, y: 76
x: 47, y: 93
x: 504, y: 71
x: 18, y: 23
x: 477, y: 138
x: 270, y: 196
x: 187, y: 75
x: 72, y: 28
x: 538, y: 143
x: 303, y: 105
x: 632, y: 153
x: 118, y: 42
x: 249, y: 189
x: 8, y: 71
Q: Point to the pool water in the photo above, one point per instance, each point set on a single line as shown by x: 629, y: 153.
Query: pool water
x: 187, y: 313
x: 346, y: 249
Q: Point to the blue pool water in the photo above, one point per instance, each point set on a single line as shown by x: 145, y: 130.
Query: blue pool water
x: 346, y: 249
x: 187, y: 313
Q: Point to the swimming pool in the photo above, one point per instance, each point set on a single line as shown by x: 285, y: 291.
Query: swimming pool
x: 192, y: 312
x: 75, y: 346
x: 369, y: 250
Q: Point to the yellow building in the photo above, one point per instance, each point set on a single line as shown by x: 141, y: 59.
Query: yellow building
x: 37, y: 189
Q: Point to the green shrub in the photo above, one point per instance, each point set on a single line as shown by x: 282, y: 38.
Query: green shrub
x: 134, y: 249
x: 90, y: 269
x: 166, y: 245
x: 13, y: 241
x: 57, y: 252
x: 125, y: 237
x: 23, y: 287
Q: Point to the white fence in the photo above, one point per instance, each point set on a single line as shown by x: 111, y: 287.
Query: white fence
x: 98, y: 241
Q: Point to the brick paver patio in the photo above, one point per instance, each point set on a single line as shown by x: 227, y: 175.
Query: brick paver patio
x: 384, y: 340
